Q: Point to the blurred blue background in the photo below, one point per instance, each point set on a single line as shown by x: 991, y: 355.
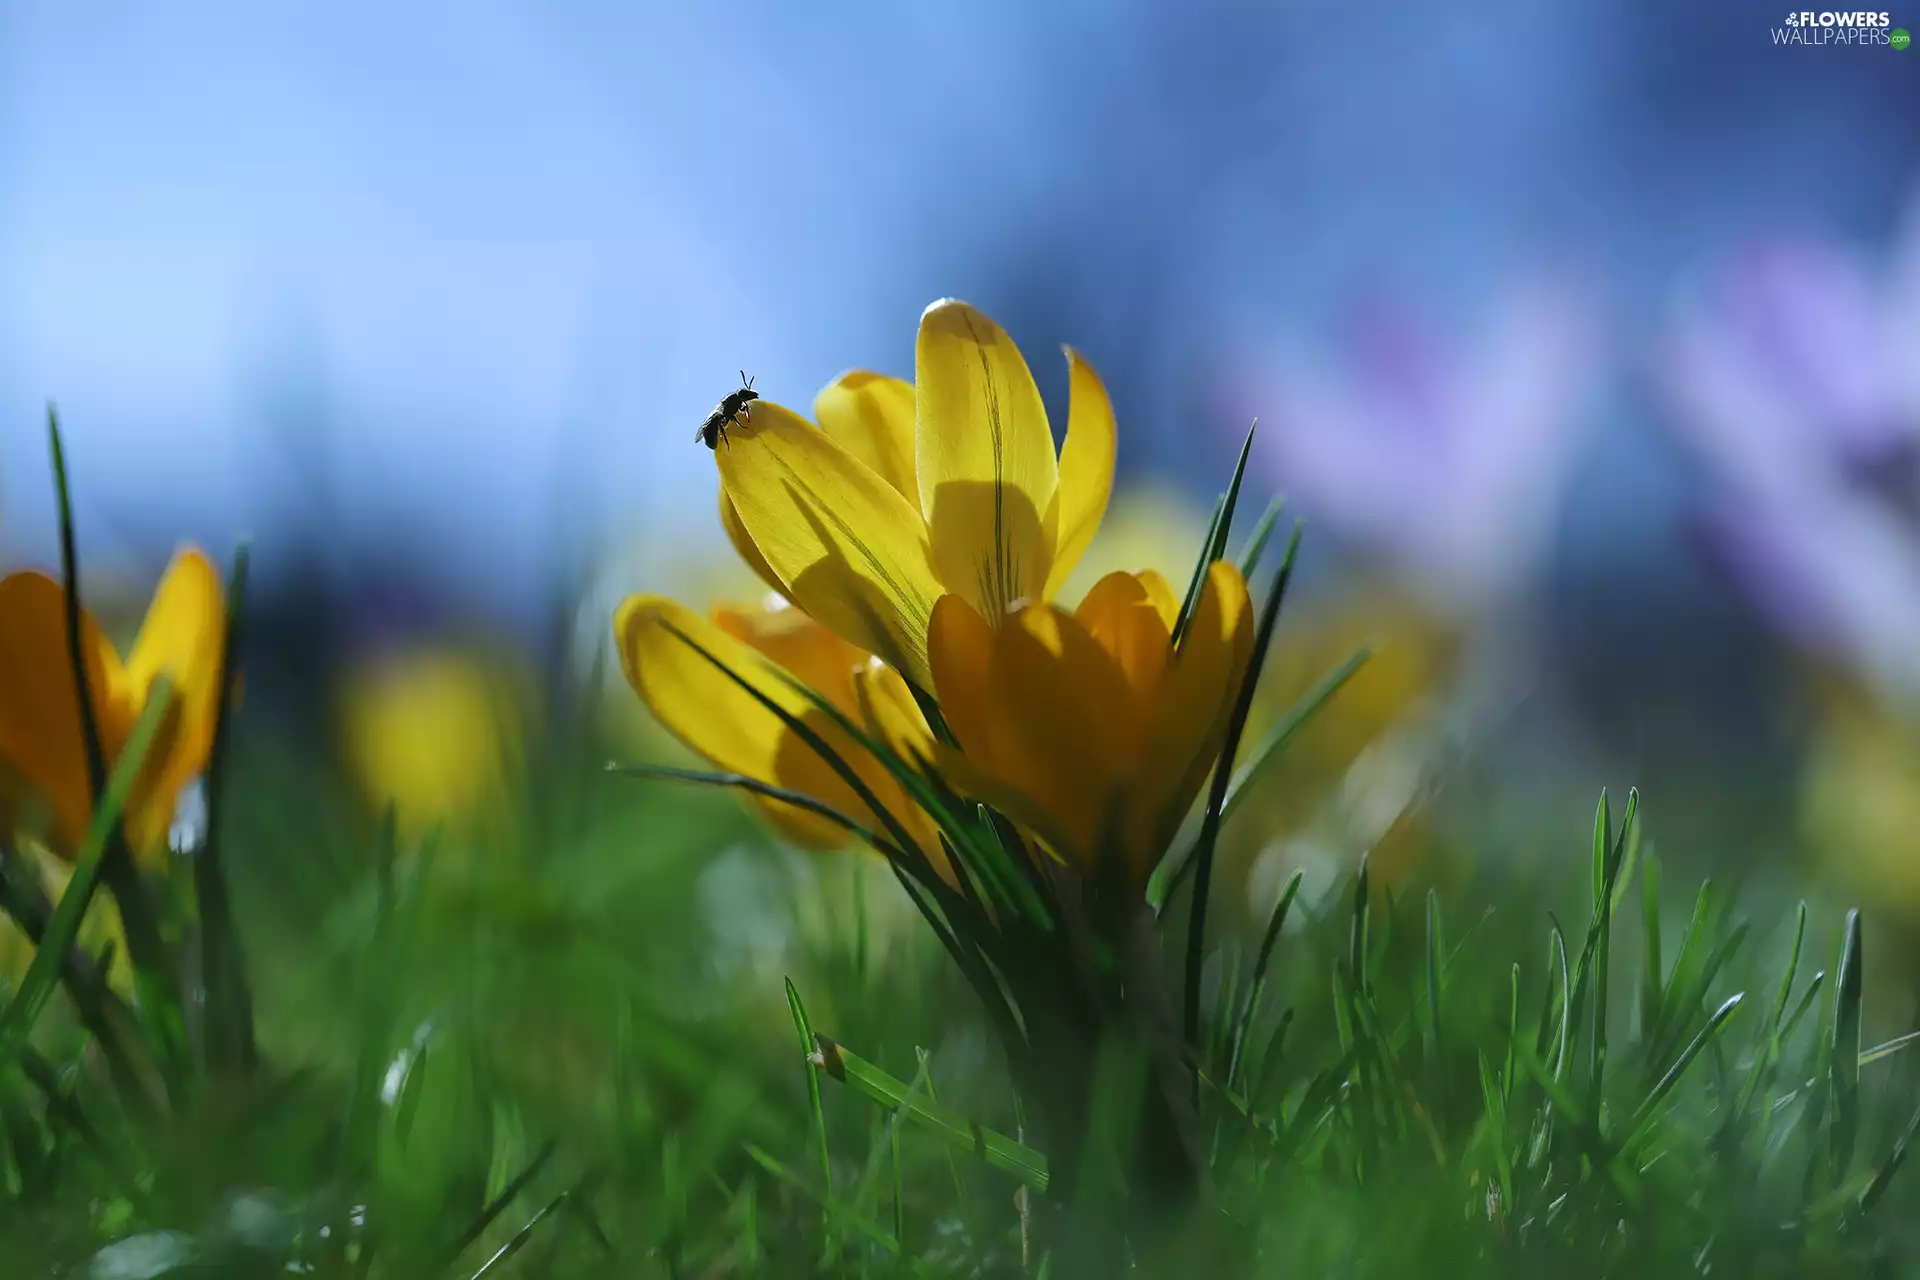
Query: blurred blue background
x: 430, y: 298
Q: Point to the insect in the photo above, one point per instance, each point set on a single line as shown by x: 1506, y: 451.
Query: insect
x: 735, y: 406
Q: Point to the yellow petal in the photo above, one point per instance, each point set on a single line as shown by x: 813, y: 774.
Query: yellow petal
x: 986, y: 461
x: 1196, y: 700
x: 1060, y: 723
x: 719, y: 720
x: 743, y: 544
x: 960, y: 648
x: 852, y: 551
x: 41, y: 741
x: 871, y: 416
x: 1086, y: 470
x: 181, y: 639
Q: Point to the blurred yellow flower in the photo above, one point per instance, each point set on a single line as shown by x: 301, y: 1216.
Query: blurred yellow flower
x: 1860, y: 796
x: 1092, y: 729
x: 42, y: 747
x: 908, y: 492
x: 1353, y: 779
x: 438, y: 732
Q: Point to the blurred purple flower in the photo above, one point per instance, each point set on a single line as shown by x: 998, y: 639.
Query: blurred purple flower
x: 1444, y: 458
x: 1794, y: 376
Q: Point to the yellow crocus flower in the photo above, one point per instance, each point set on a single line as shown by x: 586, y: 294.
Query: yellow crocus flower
x: 42, y: 747
x: 1091, y: 728
x: 906, y: 492
x: 920, y: 533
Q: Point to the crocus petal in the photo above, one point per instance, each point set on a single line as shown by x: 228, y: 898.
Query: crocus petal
x: 714, y: 716
x: 743, y: 544
x: 1086, y: 470
x: 967, y: 776
x: 892, y: 716
x: 1060, y: 722
x: 823, y: 661
x: 871, y: 416
x: 889, y: 712
x: 985, y: 459
x: 852, y: 551
x: 1123, y: 619
x: 181, y: 639
x: 41, y: 741
x: 960, y: 649
x: 1165, y: 603
x: 1195, y: 700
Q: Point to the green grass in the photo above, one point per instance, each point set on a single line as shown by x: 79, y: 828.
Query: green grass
x: 522, y: 1054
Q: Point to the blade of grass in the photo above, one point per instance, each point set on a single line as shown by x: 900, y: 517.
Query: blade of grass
x: 145, y: 947
x: 1643, y: 1115
x: 995, y: 1150
x: 1845, y: 1059
x: 1174, y: 868
x: 1222, y: 772
x: 1430, y: 1026
x: 741, y: 782
x: 1651, y: 968
x: 1888, y: 1049
x: 524, y: 1234
x: 500, y: 1203
x: 111, y: 1022
x: 1275, y: 923
x: 1199, y: 569
x: 17, y: 1020
x: 1261, y: 535
x: 1761, y: 1073
x: 1513, y: 1030
x: 228, y: 1032
x: 834, y: 1210
x: 803, y: 1032
x: 1296, y: 718
x: 1895, y: 1158
x: 1217, y: 534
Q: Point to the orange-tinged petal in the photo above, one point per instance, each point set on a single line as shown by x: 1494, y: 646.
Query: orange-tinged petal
x: 743, y: 544
x: 718, y: 719
x: 872, y: 418
x: 960, y: 648
x: 822, y: 660
x: 41, y: 741
x: 985, y: 460
x: 851, y: 550
x: 1060, y: 723
x: 967, y: 776
x: 181, y: 639
x: 1086, y: 469
x: 892, y: 716
x: 888, y: 711
x: 1122, y: 618
x: 1196, y: 699
x: 1165, y: 603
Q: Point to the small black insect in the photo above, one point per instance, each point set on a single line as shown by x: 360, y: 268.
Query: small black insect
x: 735, y: 406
